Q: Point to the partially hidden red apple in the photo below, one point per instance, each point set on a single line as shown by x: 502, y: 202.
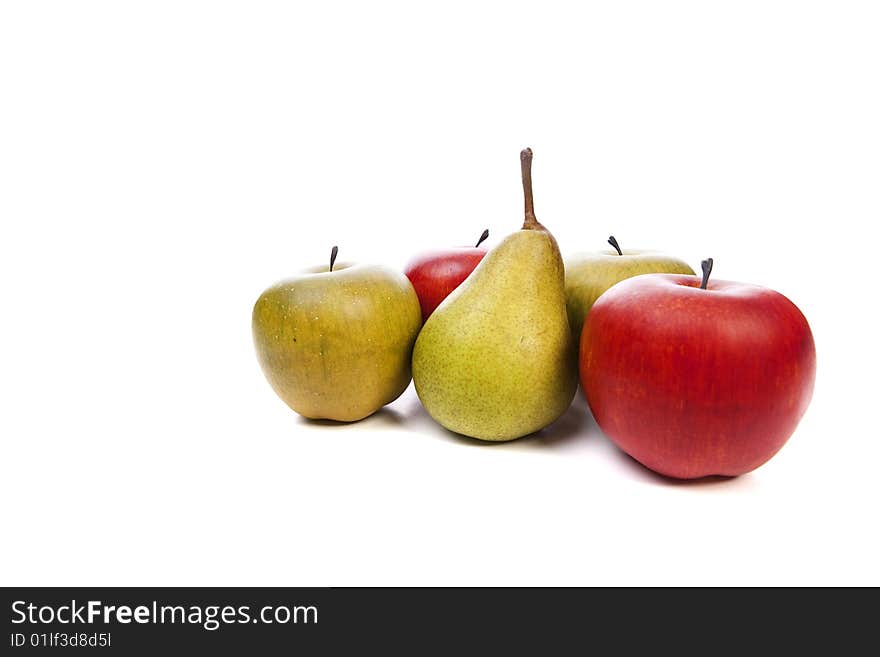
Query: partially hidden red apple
x: 435, y: 274
x: 695, y: 378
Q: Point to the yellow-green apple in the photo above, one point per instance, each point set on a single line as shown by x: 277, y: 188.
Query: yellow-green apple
x: 588, y: 275
x: 336, y: 342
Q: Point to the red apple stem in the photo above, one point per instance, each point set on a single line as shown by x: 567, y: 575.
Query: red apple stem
x: 707, y: 270
x: 525, y: 158
x: 482, y: 238
x: 613, y: 242
x: 333, y: 253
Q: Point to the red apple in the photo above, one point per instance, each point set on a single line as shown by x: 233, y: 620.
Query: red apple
x: 694, y: 378
x: 437, y: 273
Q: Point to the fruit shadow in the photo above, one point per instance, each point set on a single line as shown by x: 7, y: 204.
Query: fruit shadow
x: 575, y: 425
x: 385, y: 417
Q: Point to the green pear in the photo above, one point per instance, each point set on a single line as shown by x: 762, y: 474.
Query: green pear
x: 496, y: 359
x: 589, y: 275
x: 336, y: 343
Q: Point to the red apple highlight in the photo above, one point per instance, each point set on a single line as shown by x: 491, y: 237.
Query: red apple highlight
x: 437, y: 273
x: 696, y: 379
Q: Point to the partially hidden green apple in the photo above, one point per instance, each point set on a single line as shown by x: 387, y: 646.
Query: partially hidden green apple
x: 336, y: 342
x: 588, y: 275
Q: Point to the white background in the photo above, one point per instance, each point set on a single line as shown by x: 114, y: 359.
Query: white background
x: 163, y: 162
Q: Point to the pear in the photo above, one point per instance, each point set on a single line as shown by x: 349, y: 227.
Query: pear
x: 496, y: 360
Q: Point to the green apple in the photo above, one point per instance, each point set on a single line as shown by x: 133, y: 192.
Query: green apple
x: 336, y: 342
x: 588, y: 275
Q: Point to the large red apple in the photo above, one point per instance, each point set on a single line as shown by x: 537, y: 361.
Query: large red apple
x: 694, y: 379
x: 437, y: 273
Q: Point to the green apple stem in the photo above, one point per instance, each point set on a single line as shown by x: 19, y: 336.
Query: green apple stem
x: 525, y: 158
x: 707, y: 270
x: 613, y: 242
x: 482, y: 238
x: 333, y: 252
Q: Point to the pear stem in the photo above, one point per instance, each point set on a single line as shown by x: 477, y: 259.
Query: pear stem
x: 525, y: 158
x: 613, y: 242
x: 482, y: 238
x: 333, y: 253
x: 707, y: 270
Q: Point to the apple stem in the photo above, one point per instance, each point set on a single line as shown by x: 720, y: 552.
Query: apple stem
x: 613, y: 242
x: 707, y: 270
x: 482, y: 238
x: 525, y: 158
x: 333, y: 252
